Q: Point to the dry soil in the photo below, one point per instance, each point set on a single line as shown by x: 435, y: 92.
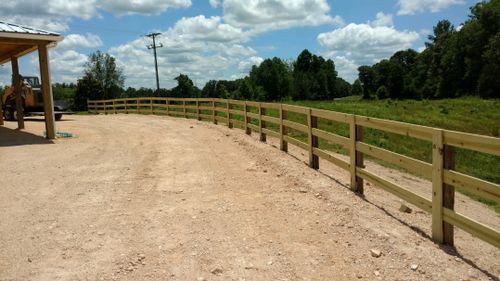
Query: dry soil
x: 135, y: 197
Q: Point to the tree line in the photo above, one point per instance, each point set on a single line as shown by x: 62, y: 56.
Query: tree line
x: 309, y: 77
x: 456, y: 62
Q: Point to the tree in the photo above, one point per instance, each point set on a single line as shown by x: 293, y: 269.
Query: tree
x: 102, y: 79
x: 314, y: 78
x: 87, y: 88
x: 357, y: 89
x: 185, y: 87
x: 367, y: 79
x: 273, y: 77
x: 488, y: 84
x: 102, y: 68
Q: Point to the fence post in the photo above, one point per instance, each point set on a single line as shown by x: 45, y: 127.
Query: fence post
x: 126, y: 109
x: 105, y: 105
x: 248, y: 130
x: 167, y: 102
x: 214, y: 113
x: 356, y: 158
x: 114, y: 107
x: 228, y: 114
x: 312, y: 122
x: 283, y: 130
x: 151, y: 105
x: 1, y: 110
x: 262, y: 124
x: 443, y: 195
x: 437, y: 186
x: 137, y: 106
x: 448, y: 194
x: 184, y: 107
x: 198, y: 109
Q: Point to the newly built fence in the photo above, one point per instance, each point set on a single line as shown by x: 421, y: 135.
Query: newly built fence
x: 273, y: 119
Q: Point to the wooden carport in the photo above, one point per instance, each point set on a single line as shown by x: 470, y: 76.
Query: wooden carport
x: 17, y: 41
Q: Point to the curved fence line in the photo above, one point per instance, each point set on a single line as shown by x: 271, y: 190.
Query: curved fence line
x: 254, y: 116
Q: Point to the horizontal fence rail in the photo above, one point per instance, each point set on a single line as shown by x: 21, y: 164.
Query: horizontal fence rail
x: 253, y: 116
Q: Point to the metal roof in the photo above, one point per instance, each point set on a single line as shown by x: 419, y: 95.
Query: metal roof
x: 16, y: 28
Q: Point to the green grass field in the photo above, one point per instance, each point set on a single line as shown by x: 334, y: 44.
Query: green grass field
x: 472, y: 115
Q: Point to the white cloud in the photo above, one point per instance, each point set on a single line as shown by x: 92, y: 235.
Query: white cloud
x: 346, y: 68
x: 74, y: 41
x: 246, y: 65
x: 206, y: 29
x: 264, y: 15
x: 145, y: 7
x: 203, y: 48
x: 354, y: 45
x: 214, y: 3
x: 410, y: 7
x: 382, y: 20
x: 54, y: 15
x: 366, y: 44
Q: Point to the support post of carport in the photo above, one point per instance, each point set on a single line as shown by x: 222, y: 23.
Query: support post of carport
x: 48, y: 105
x: 1, y: 112
x: 16, y: 80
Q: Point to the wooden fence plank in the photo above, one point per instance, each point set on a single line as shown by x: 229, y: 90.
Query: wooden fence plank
x: 475, y: 228
x: 253, y: 127
x: 296, y: 109
x: 296, y: 126
x: 270, y: 119
x: 333, y: 138
x: 331, y: 158
x: 331, y: 115
x: 296, y: 142
x: 406, y: 129
x: 270, y: 132
x: 415, y: 166
x: 401, y: 192
x: 471, y: 184
x: 475, y: 142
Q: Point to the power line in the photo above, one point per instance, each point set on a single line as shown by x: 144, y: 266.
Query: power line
x: 154, y: 47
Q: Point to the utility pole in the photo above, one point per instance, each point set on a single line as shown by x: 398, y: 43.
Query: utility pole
x: 154, y: 47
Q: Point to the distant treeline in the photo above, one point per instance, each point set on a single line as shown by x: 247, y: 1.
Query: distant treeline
x: 454, y: 63
x: 309, y: 77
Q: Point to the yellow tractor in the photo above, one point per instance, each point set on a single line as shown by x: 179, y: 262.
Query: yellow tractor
x: 32, y: 100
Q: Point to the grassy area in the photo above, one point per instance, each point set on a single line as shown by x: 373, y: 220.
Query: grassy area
x: 472, y: 115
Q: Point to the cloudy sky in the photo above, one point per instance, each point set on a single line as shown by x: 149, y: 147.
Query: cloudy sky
x: 222, y: 39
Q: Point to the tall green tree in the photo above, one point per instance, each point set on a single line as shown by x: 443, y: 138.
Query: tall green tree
x: 102, y: 68
x: 185, y: 87
x: 102, y: 79
x: 273, y: 77
x: 314, y: 78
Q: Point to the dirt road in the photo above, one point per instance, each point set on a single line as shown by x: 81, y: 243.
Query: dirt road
x: 158, y: 198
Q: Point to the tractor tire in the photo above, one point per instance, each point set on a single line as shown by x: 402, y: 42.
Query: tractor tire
x: 58, y: 116
x: 9, y: 114
x: 14, y: 115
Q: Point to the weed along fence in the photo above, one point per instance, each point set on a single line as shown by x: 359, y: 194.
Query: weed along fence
x: 305, y: 127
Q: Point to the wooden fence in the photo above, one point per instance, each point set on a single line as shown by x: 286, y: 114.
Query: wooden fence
x: 252, y: 116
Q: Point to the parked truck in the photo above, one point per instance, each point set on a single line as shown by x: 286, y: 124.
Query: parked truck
x: 32, y: 100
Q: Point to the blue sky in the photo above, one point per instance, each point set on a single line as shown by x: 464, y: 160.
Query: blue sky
x: 222, y: 39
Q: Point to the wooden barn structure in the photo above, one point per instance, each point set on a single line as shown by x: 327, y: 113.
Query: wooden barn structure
x: 17, y: 41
